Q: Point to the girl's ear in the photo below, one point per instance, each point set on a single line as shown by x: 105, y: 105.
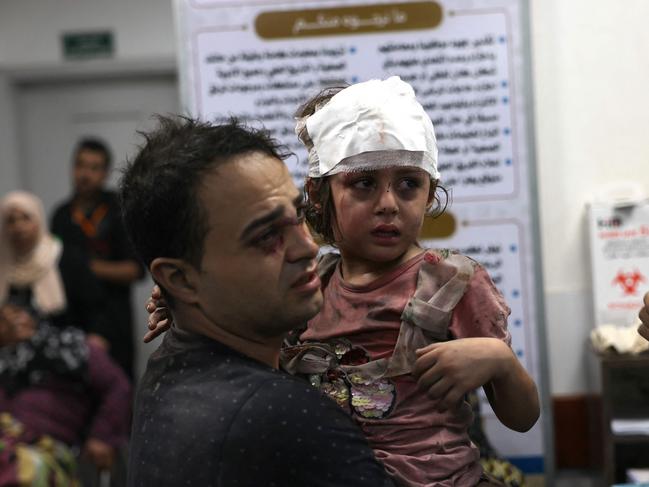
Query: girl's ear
x: 310, y: 190
x: 177, y: 277
x: 431, y: 194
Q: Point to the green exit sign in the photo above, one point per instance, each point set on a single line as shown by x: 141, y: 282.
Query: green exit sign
x: 88, y: 45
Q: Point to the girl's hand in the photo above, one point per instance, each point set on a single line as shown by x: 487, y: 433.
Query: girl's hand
x: 159, y: 317
x: 644, y: 317
x: 447, y: 371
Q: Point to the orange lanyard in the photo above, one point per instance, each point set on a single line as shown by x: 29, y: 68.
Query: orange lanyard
x: 90, y: 226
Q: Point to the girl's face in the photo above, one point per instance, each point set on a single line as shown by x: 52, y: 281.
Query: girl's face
x: 378, y: 214
x: 21, y: 230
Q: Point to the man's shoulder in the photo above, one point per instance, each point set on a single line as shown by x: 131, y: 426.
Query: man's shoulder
x: 288, y: 430
x: 62, y: 209
x: 109, y: 196
x: 195, y: 366
x: 242, y: 412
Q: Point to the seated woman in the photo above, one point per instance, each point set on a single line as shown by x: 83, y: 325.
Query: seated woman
x: 58, y: 393
x: 37, y: 272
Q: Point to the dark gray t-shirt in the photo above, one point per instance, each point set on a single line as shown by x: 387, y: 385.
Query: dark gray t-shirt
x: 206, y: 415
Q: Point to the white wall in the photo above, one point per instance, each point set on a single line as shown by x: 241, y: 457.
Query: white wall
x: 30, y: 30
x: 30, y: 33
x: 590, y: 70
x: 591, y: 73
x: 9, y: 176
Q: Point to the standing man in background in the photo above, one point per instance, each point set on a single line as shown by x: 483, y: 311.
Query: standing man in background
x: 90, y: 227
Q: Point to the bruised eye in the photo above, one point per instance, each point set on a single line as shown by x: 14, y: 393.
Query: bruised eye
x: 270, y: 238
x: 362, y: 183
x: 409, y: 183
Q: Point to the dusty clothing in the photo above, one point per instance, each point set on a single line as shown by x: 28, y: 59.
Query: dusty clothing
x: 418, y: 445
x: 208, y: 416
x: 99, y: 234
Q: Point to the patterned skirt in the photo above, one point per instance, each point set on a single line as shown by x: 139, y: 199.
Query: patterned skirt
x: 28, y: 460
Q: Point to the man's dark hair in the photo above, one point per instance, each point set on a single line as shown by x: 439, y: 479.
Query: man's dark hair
x: 159, y: 189
x: 94, y: 144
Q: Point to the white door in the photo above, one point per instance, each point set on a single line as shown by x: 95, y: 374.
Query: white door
x: 52, y: 116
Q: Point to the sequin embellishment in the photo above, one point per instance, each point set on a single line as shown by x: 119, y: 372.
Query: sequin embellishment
x: 370, y: 399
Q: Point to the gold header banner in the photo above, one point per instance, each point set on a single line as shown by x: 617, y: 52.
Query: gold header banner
x: 346, y: 21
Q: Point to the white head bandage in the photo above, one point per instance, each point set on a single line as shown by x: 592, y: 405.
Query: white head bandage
x: 367, y: 126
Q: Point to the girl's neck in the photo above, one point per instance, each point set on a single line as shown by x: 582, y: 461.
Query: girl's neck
x: 358, y: 271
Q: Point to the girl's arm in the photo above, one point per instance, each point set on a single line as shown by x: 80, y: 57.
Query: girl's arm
x: 447, y: 371
x: 512, y: 394
x: 480, y: 356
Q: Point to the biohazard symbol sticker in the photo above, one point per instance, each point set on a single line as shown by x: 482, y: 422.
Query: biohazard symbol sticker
x: 629, y: 281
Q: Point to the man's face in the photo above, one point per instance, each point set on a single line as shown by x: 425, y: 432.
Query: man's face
x: 90, y: 172
x: 258, y: 271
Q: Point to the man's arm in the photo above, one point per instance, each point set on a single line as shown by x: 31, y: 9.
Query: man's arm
x: 290, y: 434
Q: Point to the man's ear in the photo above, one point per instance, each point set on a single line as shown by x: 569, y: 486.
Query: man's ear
x: 177, y: 277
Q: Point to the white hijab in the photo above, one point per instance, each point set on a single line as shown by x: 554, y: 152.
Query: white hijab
x: 39, y: 269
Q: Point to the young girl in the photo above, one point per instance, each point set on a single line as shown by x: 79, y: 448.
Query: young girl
x: 404, y: 334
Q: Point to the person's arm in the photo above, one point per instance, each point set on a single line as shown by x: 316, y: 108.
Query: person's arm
x: 448, y: 371
x: 643, y: 329
x: 110, y: 423
x: 480, y: 357
x: 512, y: 394
x: 289, y: 434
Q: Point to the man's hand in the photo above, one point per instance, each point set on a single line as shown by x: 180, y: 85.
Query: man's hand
x: 643, y: 329
x: 101, y: 454
x: 447, y: 371
x: 159, y: 317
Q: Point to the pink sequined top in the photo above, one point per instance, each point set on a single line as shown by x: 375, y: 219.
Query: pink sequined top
x: 418, y: 445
